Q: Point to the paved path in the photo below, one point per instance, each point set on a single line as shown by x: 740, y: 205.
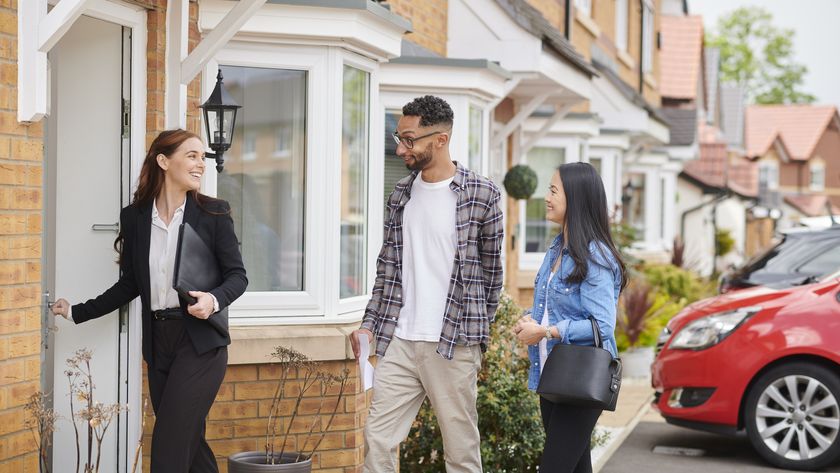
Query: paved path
x: 720, y: 454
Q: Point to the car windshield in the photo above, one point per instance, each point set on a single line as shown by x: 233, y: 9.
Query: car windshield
x: 803, y: 259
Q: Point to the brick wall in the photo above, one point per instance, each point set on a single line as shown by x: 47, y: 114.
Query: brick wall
x: 21, y: 196
x: 428, y: 19
x: 238, y: 419
x: 553, y: 10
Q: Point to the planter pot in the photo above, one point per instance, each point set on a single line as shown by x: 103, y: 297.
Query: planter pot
x: 636, y: 362
x: 254, y: 462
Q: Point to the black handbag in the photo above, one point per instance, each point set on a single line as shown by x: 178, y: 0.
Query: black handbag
x: 581, y: 375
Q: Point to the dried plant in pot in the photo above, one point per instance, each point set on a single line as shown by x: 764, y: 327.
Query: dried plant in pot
x: 302, y: 377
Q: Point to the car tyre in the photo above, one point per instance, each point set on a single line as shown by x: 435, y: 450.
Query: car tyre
x: 792, y: 416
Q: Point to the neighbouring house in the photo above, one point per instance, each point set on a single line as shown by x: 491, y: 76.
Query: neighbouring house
x: 86, y: 87
x: 796, y: 149
x: 584, y: 88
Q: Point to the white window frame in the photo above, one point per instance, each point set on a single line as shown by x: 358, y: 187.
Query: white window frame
x: 318, y: 302
x: 584, y: 7
x: 621, y: 24
x: 647, y: 36
x: 353, y: 304
x: 571, y: 147
x: 771, y: 168
x: 484, y: 161
x: 817, y: 170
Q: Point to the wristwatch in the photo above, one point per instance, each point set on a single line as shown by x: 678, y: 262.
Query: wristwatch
x: 548, y: 333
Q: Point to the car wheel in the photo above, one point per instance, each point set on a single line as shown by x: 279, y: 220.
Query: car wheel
x: 793, y: 416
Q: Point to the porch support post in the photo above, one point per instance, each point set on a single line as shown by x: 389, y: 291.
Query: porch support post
x: 177, y: 39
x: 218, y: 38
x: 517, y: 120
x: 558, y: 115
x: 32, y: 63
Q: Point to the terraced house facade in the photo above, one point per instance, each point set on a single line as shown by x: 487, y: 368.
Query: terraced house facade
x: 321, y: 83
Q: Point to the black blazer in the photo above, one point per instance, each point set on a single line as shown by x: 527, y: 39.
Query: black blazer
x: 215, y: 226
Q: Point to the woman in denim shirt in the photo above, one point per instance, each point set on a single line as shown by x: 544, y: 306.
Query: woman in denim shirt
x: 581, y: 276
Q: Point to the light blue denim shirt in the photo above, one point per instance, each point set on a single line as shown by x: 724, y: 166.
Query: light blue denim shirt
x: 571, y: 304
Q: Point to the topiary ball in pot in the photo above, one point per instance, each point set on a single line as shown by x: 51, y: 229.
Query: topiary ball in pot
x: 520, y: 182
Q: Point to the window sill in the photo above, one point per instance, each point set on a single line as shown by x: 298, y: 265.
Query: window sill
x: 626, y: 59
x: 588, y: 23
x: 649, y: 80
x: 254, y: 344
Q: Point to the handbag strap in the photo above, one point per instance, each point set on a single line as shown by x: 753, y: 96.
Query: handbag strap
x: 596, y: 332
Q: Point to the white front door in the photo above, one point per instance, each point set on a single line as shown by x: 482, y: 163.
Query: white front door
x: 87, y: 184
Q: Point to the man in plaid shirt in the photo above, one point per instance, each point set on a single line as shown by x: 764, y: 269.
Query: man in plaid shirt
x: 438, y: 278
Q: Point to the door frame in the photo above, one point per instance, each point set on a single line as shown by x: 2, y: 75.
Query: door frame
x: 130, y: 369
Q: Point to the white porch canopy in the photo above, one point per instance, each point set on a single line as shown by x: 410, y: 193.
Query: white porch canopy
x: 360, y: 25
x: 546, y: 68
x: 622, y: 109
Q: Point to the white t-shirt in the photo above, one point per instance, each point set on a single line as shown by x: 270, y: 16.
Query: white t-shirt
x: 429, y: 244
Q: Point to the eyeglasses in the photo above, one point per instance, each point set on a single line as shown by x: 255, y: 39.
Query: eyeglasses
x: 409, y: 142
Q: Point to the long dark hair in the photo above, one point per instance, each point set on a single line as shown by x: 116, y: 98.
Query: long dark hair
x: 152, y: 176
x: 586, y: 219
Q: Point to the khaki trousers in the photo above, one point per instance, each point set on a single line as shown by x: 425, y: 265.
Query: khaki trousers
x: 408, y: 373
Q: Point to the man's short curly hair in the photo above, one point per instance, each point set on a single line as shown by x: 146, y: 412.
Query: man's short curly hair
x: 431, y: 110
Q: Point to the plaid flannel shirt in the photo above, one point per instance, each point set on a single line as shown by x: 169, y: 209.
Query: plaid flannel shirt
x: 476, y: 278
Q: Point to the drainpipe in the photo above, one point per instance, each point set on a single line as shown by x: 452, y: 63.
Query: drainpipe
x: 568, y: 26
x: 641, y: 48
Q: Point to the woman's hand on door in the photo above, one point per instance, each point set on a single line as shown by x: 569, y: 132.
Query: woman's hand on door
x: 61, y: 307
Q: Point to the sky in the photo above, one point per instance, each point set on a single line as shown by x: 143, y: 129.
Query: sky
x: 816, y: 40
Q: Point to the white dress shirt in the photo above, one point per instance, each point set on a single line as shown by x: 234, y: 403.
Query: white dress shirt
x: 163, y: 244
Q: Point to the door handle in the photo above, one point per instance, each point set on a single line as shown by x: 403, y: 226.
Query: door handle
x: 106, y: 227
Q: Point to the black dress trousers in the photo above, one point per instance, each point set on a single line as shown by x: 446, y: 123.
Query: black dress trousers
x: 183, y: 386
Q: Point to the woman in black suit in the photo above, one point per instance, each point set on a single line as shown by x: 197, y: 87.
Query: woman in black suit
x: 185, y: 355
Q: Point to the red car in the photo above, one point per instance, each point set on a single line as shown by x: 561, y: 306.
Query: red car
x: 762, y: 360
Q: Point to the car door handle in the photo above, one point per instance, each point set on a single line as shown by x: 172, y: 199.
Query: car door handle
x: 106, y: 227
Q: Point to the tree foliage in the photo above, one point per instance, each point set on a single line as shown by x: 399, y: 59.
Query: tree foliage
x: 759, y: 56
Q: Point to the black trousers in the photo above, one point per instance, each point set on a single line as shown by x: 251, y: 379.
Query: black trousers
x: 183, y: 386
x: 568, y: 431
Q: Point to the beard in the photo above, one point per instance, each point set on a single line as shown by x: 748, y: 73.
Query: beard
x: 421, y: 160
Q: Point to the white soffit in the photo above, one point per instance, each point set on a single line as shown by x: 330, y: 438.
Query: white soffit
x: 359, y: 30
x: 482, y: 29
x: 479, y: 82
x: 571, y: 125
x: 619, y: 113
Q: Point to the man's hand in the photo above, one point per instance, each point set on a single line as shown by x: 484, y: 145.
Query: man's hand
x: 354, y: 341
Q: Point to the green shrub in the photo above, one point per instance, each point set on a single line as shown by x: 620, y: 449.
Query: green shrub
x: 680, y: 285
x: 723, y: 241
x: 512, y: 435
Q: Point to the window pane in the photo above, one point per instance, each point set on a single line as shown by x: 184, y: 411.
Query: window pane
x: 596, y: 163
x: 394, y: 168
x: 538, y: 231
x: 633, y: 202
x: 827, y: 262
x: 267, y: 194
x: 585, y: 6
x: 647, y: 38
x: 621, y: 24
x: 354, y: 186
x: 475, y: 140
